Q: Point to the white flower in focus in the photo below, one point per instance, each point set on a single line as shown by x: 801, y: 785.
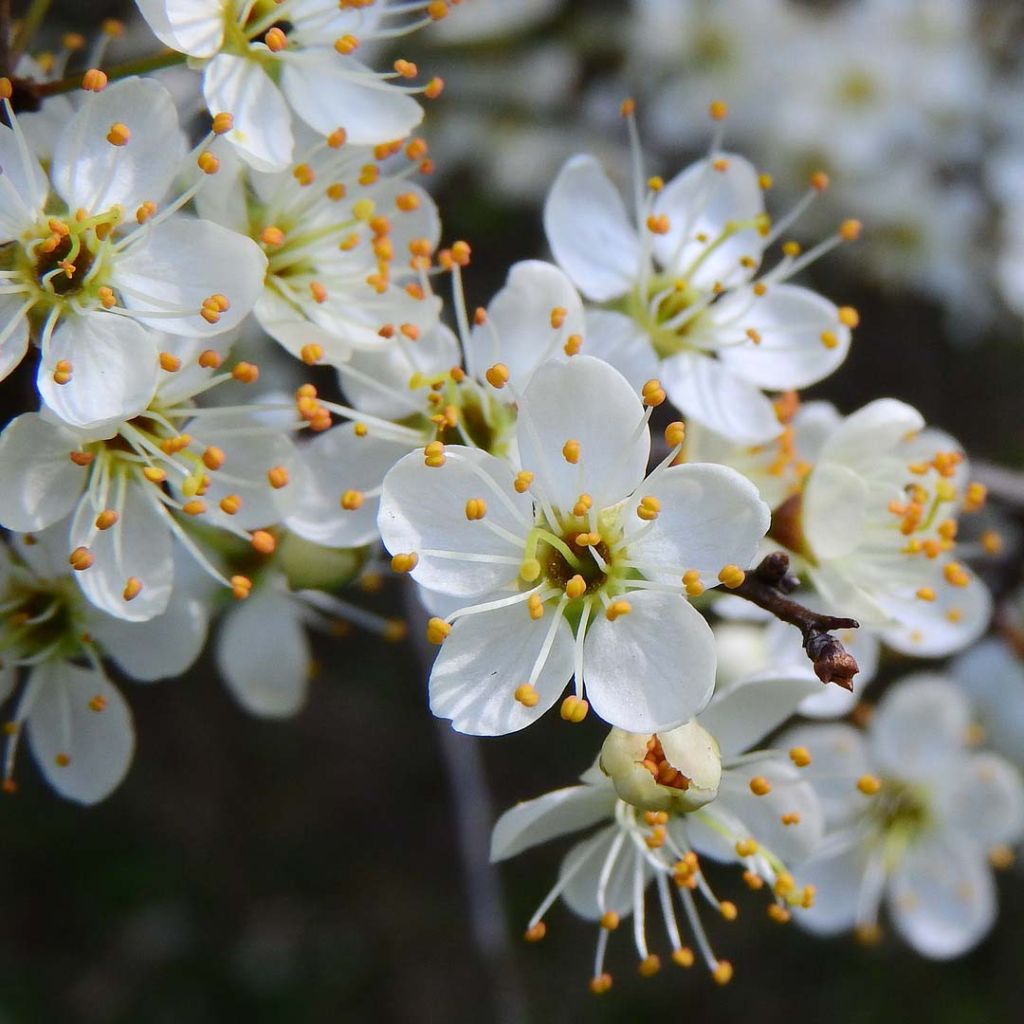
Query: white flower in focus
x: 92, y: 267
x: 52, y: 645
x: 263, y: 60
x: 576, y: 565
x: 680, y: 272
x: 753, y: 810
x: 914, y: 815
x: 132, y: 487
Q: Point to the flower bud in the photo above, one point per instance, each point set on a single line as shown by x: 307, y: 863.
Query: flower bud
x: 676, y: 770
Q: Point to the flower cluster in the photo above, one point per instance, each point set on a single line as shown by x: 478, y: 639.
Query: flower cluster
x: 259, y: 389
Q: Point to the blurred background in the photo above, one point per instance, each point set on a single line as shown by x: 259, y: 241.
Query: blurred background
x: 328, y: 868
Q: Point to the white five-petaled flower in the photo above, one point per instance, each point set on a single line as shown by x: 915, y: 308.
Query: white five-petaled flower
x: 91, y: 289
x: 52, y: 645
x: 133, y: 486
x: 666, y: 798
x: 875, y: 527
x: 575, y: 565
x: 682, y: 275
x: 262, y: 60
x: 914, y: 815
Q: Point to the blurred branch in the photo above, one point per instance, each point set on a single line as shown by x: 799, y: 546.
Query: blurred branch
x: 474, y: 814
x: 768, y: 585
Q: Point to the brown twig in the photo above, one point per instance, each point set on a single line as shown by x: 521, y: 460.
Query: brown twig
x: 768, y: 586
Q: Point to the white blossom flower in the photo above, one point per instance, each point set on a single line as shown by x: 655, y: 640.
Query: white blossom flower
x: 52, y: 646
x: 263, y: 60
x: 992, y: 675
x: 666, y: 798
x: 131, y: 487
x: 93, y: 291
x: 682, y: 274
x: 340, y: 229
x: 574, y: 565
x: 914, y: 815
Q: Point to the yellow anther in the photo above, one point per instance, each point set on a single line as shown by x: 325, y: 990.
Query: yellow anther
x: 721, y: 164
x: 800, y: 756
x: 627, y: 108
x: 975, y: 497
x: 106, y: 296
x: 925, y: 593
x: 241, y: 586
x: 272, y: 235
x: 437, y: 630
x: 992, y: 542
x: 849, y: 230
x: 753, y: 334
x: 80, y: 559
x: 732, y: 576
x: 574, y: 709
x: 585, y: 540
x: 406, y: 68
x: 263, y: 542
x: 784, y: 884
x: 573, y: 344
x: 154, y: 474
x: 653, y: 393
x: 571, y: 451
x: 617, y: 609
x: 766, y: 181
x: 869, y: 785
x: 106, y: 519
x: 476, y: 508
x: 535, y: 606
x: 277, y: 477
x: 718, y: 110
x: 722, y: 973
x: 460, y: 253
x: 675, y: 434
x: 132, y: 588
x: 318, y: 292
x: 311, y: 353
x: 1001, y: 857
x: 304, y: 174
x: 94, y: 80
x: 956, y: 575
x: 791, y: 249
x: 222, y: 123
x: 753, y: 881
x: 659, y: 224
x: 497, y: 375
x: 145, y: 210
x: 112, y: 27
x: 576, y: 587
x: 98, y: 703
x: 779, y: 913
x: 648, y: 508
x: 207, y: 162
x: 404, y: 561
x: 530, y: 570
x: 194, y: 507
x: 62, y: 371
x: 601, y: 984
x: 828, y: 339
x: 760, y: 288
x: 62, y: 760
x: 819, y: 181
x: 584, y: 503
x: 169, y: 362
x: 760, y: 786
x: 746, y: 848
x: 790, y: 818
x: 209, y: 359
x: 230, y: 504
x: 276, y: 40
x: 527, y: 695
x: 649, y: 966
x: 609, y: 920
x: 656, y: 183
x: 351, y: 500
x: 523, y: 481
x: 692, y: 583
x: 728, y: 910
x: 433, y: 455
x: 536, y: 932
x: 558, y: 315
x: 683, y: 956
x: 119, y: 134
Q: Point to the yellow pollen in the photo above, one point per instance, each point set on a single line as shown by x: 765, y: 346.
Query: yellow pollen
x: 132, y: 588
x: 790, y: 818
x: 476, y: 508
x: 263, y: 542
x: 728, y: 910
x: 119, y: 134
x: 760, y: 288
x: 433, y: 455
x: 405, y: 68
x: 523, y: 481
x: 222, y: 123
x: 649, y: 966
x: 722, y: 973
x: 230, y: 504
x: 800, y: 756
x: 317, y: 291
x: 869, y: 785
x: 94, y: 80
x: 62, y: 760
x: 732, y: 576
x: 675, y: 434
x: 62, y: 371
x: 601, y: 984
x: 609, y: 920
x: 721, y: 165
x: 106, y: 297
x: 276, y: 40
x: 975, y: 497
x: 659, y: 224
x: 760, y: 786
x: 956, y: 575
x: 746, y: 848
x: 992, y: 542
x: 529, y: 570
x: 311, y: 353
x: 169, y: 362
x: 616, y: 609
x: 207, y: 162
x: 351, y: 500
x: 754, y: 335
x: 240, y: 587
x: 574, y: 709
x: 272, y: 235
x: 194, y: 507
x: 81, y: 458
x: 106, y: 519
x: 648, y: 508
x: 154, y: 474
x: 753, y: 882
x: 584, y: 503
x: 791, y: 249
x: 209, y: 359
x: 829, y: 339
x: 536, y: 932
x: 558, y: 315
x: 819, y: 181
x: 627, y: 107
x: 925, y: 594
x: 535, y: 606
x: 277, y: 477
x: 80, y: 559
x: 145, y: 211
x: 779, y: 913
x: 576, y: 587
x: 98, y: 703
x: 1001, y: 857
x: 571, y: 451
x: 304, y: 174
x: 527, y: 695
x: 437, y: 630
x: 718, y: 110
x: 573, y: 344
x: 849, y: 230
x: 405, y: 561
x: 653, y: 393
x: 497, y: 375
x: 692, y: 583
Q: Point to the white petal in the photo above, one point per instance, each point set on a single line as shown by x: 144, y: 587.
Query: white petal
x: 875, y: 428
x: 138, y: 545
x: 263, y: 654
x: 13, y: 331
x: 195, y: 27
x: 704, y: 389
x: 23, y: 186
x: 161, y: 648
x: 790, y: 322
x: 616, y: 338
x: 589, y: 231
x: 751, y: 709
x: 289, y: 326
x: 835, y: 510
x: 710, y: 517
x: 836, y: 873
x: 588, y: 401
x: 337, y: 461
x: 518, y: 331
x: 942, y: 898
x: 178, y: 264
x: 919, y: 728
x: 483, y: 661
x: 262, y: 132
x: 114, y: 370
x: 986, y: 801
x: 425, y: 508
x: 35, y: 453
x: 702, y: 201
x: 99, y: 744
x: 91, y: 173
x: 586, y: 861
x: 993, y: 677
x: 548, y: 817
x: 329, y: 92
x: 652, y: 669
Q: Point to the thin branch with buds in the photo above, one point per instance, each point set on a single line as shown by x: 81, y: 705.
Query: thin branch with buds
x: 768, y: 586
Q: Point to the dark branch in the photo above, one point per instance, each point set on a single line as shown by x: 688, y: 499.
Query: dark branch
x: 768, y: 585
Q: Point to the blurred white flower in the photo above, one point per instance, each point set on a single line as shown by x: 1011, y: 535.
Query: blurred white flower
x: 540, y: 553
x: 666, y: 798
x: 992, y: 675
x: 914, y: 815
